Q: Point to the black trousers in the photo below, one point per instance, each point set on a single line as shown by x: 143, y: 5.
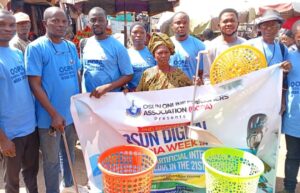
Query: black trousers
x: 292, y: 162
x: 26, y: 161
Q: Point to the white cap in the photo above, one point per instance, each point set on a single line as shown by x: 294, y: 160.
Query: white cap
x: 20, y: 17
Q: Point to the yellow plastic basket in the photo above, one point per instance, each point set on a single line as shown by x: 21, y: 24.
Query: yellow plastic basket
x: 236, y: 61
x: 127, y: 168
x: 231, y: 170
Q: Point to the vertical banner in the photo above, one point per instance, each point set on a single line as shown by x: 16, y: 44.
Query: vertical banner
x: 241, y: 113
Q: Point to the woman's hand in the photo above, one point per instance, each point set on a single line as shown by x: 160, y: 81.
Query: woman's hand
x: 198, y: 81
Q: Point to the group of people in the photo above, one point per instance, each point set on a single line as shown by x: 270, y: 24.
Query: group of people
x: 38, y: 82
x: 48, y: 70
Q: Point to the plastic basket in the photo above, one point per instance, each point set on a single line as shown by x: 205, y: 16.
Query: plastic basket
x: 236, y: 61
x: 229, y: 170
x: 127, y: 168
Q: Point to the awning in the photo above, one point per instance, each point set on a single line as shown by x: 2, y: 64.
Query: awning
x: 152, y: 7
x: 286, y: 10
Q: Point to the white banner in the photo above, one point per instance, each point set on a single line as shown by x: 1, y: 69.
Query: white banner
x: 242, y: 113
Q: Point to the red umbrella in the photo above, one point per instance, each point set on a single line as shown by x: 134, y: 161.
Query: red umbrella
x: 290, y: 21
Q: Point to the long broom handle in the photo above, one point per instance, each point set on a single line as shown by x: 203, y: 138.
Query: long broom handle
x: 195, y: 83
x: 69, y: 160
x: 195, y: 86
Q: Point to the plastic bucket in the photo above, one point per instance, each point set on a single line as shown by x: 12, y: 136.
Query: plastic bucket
x: 127, y: 168
x: 229, y: 170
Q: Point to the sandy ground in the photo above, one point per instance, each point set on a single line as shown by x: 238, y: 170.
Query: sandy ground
x: 81, y: 177
x: 79, y: 170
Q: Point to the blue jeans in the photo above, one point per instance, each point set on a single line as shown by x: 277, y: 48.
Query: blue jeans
x: 54, y: 156
x: 292, y: 162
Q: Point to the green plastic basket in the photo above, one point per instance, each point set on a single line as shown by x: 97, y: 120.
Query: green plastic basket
x: 229, y: 170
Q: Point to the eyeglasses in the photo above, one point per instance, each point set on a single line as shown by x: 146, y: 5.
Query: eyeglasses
x: 271, y: 26
x: 61, y: 52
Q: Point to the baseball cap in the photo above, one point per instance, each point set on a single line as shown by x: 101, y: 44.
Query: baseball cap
x: 20, y: 16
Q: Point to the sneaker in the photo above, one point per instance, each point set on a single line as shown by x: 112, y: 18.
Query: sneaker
x: 71, y: 189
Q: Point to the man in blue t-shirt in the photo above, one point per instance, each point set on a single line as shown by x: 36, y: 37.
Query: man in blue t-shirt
x: 291, y: 123
x: 53, y: 67
x: 19, y: 143
x: 275, y: 52
x: 269, y: 25
x: 106, y: 62
x: 186, y: 46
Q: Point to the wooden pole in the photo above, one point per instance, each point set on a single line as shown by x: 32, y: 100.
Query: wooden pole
x: 125, y: 25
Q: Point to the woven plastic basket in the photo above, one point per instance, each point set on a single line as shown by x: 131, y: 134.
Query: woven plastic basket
x: 236, y: 61
x: 231, y: 170
x: 127, y: 168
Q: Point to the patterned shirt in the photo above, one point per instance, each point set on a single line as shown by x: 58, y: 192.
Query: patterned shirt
x: 155, y: 79
x: 19, y: 43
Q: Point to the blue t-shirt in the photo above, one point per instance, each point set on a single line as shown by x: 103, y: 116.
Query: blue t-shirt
x: 291, y: 123
x: 57, y: 65
x: 140, y: 60
x: 17, y: 115
x: 104, y: 61
x: 185, y: 55
x: 272, y: 52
